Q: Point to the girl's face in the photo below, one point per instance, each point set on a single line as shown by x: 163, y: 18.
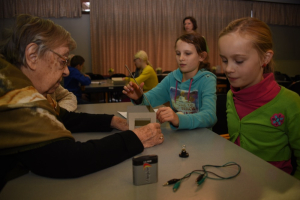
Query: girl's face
x: 187, y: 58
x: 137, y: 62
x: 241, y: 62
x: 188, y: 26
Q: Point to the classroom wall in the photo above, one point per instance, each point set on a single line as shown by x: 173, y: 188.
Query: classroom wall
x: 286, y: 49
x: 286, y: 42
x: 80, y: 31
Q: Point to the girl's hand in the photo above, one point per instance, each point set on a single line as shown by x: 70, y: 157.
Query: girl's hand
x: 133, y: 91
x: 166, y: 114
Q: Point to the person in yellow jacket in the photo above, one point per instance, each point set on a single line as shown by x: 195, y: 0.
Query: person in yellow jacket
x: 145, y: 70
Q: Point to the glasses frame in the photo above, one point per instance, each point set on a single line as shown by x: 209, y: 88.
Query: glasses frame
x: 62, y: 57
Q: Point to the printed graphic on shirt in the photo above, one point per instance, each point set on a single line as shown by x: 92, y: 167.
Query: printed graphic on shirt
x: 277, y: 119
x: 182, y: 103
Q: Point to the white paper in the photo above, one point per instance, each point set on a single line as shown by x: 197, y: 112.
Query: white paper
x: 117, y: 79
x: 97, y: 82
x: 124, y: 114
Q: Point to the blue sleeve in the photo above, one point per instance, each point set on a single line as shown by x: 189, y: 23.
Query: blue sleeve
x: 160, y: 94
x: 206, y: 117
x: 81, y: 78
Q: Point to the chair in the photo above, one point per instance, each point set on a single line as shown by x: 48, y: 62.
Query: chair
x: 279, y: 76
x: 282, y: 79
x: 295, y: 87
x: 294, y: 163
x: 117, y: 75
x: 96, y: 97
x: 221, y: 126
x: 160, y: 77
x: 95, y: 76
x: 297, y: 78
x: 166, y: 72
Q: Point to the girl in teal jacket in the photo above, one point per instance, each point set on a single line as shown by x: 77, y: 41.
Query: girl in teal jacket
x: 191, y: 89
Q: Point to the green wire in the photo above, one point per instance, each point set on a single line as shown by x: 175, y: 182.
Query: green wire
x: 206, y: 173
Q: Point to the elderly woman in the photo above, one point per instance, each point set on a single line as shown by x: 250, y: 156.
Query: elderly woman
x: 35, y: 133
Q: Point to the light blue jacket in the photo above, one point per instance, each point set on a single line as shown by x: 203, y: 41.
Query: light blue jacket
x: 195, y: 102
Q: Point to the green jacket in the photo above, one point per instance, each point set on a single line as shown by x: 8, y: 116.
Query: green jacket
x: 266, y: 133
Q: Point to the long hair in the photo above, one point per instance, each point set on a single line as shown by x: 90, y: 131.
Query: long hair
x: 258, y: 32
x: 143, y: 56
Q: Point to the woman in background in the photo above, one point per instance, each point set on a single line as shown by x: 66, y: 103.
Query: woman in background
x: 189, y: 25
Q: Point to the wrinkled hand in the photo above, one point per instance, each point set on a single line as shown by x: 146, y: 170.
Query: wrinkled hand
x: 150, y: 135
x: 119, y: 123
x: 166, y: 114
x: 133, y: 91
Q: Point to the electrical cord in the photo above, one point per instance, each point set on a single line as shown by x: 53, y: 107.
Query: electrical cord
x: 204, y: 174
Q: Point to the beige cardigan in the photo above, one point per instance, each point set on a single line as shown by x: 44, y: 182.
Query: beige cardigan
x: 65, y: 99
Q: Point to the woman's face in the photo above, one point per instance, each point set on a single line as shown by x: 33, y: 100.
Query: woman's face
x: 188, y: 26
x: 240, y: 60
x: 50, y: 70
x: 187, y: 57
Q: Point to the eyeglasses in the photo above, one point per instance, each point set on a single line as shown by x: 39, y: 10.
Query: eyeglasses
x: 65, y: 60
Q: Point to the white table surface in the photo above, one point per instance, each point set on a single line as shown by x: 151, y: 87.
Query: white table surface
x: 257, y: 180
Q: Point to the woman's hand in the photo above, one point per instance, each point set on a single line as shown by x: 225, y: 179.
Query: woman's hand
x: 166, y: 114
x: 150, y: 135
x: 119, y: 123
x: 133, y: 91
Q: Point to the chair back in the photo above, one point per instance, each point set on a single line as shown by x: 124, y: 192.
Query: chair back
x: 117, y: 75
x: 95, y: 76
x: 295, y: 87
x: 221, y: 126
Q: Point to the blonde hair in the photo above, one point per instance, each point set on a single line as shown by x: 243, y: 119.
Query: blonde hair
x: 258, y: 32
x: 143, y: 56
